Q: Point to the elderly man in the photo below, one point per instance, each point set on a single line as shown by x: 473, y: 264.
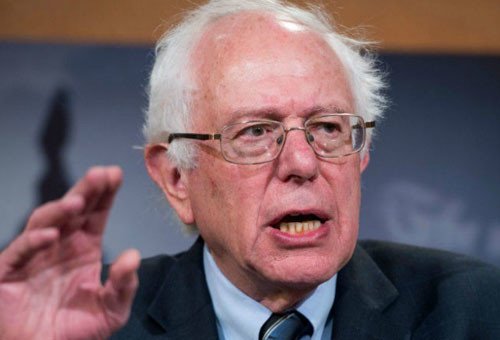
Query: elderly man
x: 258, y: 132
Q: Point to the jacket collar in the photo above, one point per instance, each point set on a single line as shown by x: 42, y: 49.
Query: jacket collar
x: 363, y: 294
x: 182, y: 305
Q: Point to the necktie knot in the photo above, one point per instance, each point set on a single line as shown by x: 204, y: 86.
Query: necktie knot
x: 291, y: 325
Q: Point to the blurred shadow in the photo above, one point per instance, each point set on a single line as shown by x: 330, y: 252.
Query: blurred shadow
x: 54, y: 135
x: 52, y: 141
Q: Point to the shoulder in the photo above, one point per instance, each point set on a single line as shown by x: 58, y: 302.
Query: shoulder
x: 451, y: 295
x: 404, y: 264
x: 155, y: 268
x: 172, y: 300
x: 152, y: 274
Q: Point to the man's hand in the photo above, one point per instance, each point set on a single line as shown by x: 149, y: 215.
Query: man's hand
x: 50, y: 275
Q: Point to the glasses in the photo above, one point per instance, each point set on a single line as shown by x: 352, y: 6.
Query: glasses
x: 260, y: 141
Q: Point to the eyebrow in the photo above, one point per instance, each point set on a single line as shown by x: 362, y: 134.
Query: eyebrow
x: 266, y: 112
x: 329, y: 108
x: 276, y: 114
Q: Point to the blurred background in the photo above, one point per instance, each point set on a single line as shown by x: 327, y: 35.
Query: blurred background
x: 72, y: 94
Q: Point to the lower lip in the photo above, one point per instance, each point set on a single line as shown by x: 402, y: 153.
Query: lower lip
x: 307, y: 239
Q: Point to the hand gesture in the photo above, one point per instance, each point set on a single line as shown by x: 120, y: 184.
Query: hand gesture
x: 50, y: 275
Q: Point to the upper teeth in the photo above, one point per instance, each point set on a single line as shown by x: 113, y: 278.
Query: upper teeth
x: 299, y: 227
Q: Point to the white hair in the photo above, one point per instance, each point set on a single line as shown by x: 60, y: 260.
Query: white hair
x: 172, y: 82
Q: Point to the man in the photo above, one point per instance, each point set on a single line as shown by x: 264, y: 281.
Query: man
x: 258, y: 132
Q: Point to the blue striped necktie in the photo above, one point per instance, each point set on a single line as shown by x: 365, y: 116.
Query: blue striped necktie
x: 291, y: 325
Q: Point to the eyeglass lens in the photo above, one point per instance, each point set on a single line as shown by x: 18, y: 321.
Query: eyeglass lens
x: 330, y: 136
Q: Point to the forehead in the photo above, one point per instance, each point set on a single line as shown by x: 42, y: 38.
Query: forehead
x: 252, y: 61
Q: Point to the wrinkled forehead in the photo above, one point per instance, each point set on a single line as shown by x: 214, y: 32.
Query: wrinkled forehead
x: 249, y: 27
x: 246, y: 35
x: 248, y: 48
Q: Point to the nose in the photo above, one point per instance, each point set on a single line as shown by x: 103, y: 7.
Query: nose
x: 297, y: 160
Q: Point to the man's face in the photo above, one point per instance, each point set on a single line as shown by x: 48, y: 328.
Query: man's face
x: 266, y: 69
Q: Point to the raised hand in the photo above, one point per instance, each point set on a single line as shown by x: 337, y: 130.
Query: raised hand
x: 50, y: 275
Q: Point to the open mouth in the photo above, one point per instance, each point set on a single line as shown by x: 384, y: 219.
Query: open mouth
x: 299, y: 224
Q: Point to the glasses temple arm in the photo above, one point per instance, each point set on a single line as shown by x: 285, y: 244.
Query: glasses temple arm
x: 368, y: 125
x: 198, y: 136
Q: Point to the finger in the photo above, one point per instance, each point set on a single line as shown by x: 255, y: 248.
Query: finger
x: 119, y: 290
x: 25, y: 247
x: 56, y: 213
x: 98, y: 187
x: 114, y: 179
x: 100, y: 183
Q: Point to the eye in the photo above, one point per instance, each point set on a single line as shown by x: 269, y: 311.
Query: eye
x: 329, y: 128
x: 254, y: 131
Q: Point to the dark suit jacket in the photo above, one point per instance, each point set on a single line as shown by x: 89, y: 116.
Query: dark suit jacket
x: 386, y: 291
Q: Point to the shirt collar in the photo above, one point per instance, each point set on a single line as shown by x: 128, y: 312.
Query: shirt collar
x: 240, y: 317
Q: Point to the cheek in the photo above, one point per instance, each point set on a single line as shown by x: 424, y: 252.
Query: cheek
x: 344, y: 181
x: 351, y: 191
x: 349, y: 211
x: 226, y: 190
x: 205, y: 193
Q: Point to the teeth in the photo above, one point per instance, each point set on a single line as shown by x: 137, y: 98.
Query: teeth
x: 299, y: 227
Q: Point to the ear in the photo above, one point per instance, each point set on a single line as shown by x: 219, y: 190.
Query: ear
x: 365, y: 158
x: 171, y: 180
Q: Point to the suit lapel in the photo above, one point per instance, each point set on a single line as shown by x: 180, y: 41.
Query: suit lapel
x: 363, y: 293
x: 182, y: 305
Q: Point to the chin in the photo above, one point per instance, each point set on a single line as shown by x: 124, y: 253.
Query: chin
x: 306, y: 275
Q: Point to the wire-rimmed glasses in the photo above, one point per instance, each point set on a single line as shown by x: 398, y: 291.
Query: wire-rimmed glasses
x: 259, y: 141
